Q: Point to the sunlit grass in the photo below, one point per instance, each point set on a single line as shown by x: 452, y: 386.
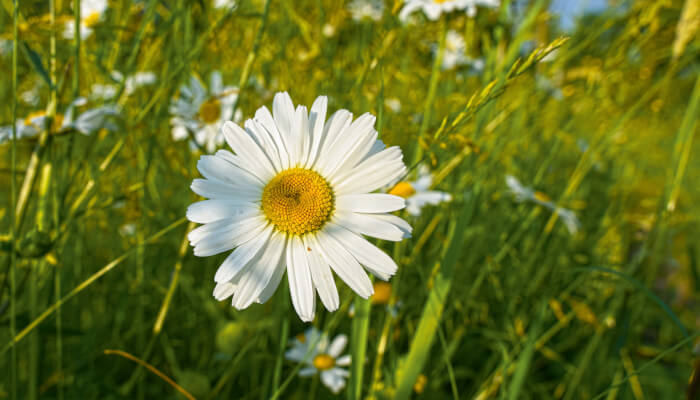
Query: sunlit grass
x: 496, y: 295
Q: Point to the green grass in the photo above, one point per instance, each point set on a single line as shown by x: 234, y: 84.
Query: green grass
x: 494, y: 298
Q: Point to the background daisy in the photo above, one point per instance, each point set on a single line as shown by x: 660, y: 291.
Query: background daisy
x: 320, y: 356
x: 199, y: 112
x: 434, y: 8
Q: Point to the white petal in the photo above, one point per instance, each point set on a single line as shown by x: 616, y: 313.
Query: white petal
x: 345, y: 265
x: 218, y: 190
x: 224, y: 290
x: 343, y: 361
x: 255, y: 280
x: 338, y: 345
x: 353, y: 145
x: 308, y: 371
x: 241, y: 256
x: 317, y: 117
x: 332, y: 130
x: 206, y: 211
x: 301, y: 125
x: 300, y: 285
x: 222, y: 168
x: 271, y: 287
x: 367, y: 254
x: 252, y: 157
x: 226, y: 238
x: 264, y: 118
x: 370, y: 203
x: 333, y: 381
x: 283, y: 113
x: 265, y: 141
x: 375, y: 225
x: 322, y: 276
x: 372, y: 173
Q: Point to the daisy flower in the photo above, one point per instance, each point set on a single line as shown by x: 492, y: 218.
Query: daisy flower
x: 417, y: 194
x: 218, y: 4
x: 86, y: 123
x: 312, y: 348
x: 91, y: 12
x: 434, y: 8
x: 200, y: 113
x: 297, y: 196
x: 524, y: 193
x: 366, y: 9
x: 109, y: 90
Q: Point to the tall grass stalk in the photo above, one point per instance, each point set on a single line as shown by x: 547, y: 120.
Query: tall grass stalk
x: 13, y: 204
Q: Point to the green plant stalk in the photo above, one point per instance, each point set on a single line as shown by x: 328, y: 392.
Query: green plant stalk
x: 432, y: 91
x: 434, y: 306
x: 252, y: 54
x: 358, y: 347
x: 89, y: 281
x: 525, y: 359
x: 13, y: 204
x: 76, y: 41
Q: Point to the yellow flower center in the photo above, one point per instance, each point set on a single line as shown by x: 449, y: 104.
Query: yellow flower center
x: 441, y: 1
x: 323, y: 362
x: 382, y: 293
x: 297, y: 201
x: 57, y: 119
x: 210, y: 110
x: 91, y: 20
x: 403, y: 189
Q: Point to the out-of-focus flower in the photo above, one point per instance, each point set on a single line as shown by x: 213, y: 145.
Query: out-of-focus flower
x: 434, y: 8
x: 393, y: 103
x: 200, y: 112
x: 366, y: 9
x: 86, y: 122
x: 91, y: 12
x: 109, y: 90
x: 224, y: 3
x: 297, y: 197
x: 417, y: 194
x: 313, y: 350
x: 524, y: 193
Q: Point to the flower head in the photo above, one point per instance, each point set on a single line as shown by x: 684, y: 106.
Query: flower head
x: 434, y: 8
x: 297, y: 197
x: 199, y: 112
x: 91, y: 12
x: 313, y: 349
x: 417, y: 194
x: 523, y: 193
x: 366, y: 9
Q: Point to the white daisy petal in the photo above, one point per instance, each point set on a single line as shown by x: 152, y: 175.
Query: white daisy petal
x: 308, y: 371
x: 224, y: 290
x: 370, y: 203
x: 273, y: 284
x: 322, y: 276
x: 345, y: 265
x: 223, y: 238
x: 251, y: 155
x: 343, y: 361
x: 317, y: 118
x: 333, y: 381
x: 223, y: 168
x: 300, y: 284
x: 337, y: 346
x: 264, y: 118
x: 375, y: 225
x: 332, y: 130
x: 206, y: 211
x: 239, y: 258
x: 256, y: 278
x: 367, y: 254
x: 216, y: 190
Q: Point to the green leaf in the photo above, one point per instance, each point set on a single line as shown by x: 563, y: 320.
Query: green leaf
x: 34, y: 59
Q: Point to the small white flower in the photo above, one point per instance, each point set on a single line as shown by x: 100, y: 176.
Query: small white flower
x: 109, y: 90
x: 91, y: 12
x: 417, y: 194
x: 86, y: 123
x: 455, y: 49
x: 224, y: 3
x: 393, y: 103
x: 312, y: 349
x: 200, y: 113
x: 524, y: 193
x: 297, y: 196
x: 434, y: 8
x: 366, y: 9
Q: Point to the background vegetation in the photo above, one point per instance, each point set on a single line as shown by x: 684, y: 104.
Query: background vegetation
x: 494, y: 298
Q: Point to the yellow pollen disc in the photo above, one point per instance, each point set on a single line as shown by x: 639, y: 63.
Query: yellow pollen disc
x: 210, y: 111
x: 297, y: 201
x: 92, y: 19
x: 403, y: 189
x: 382, y: 293
x: 57, y: 119
x: 323, y: 362
x: 441, y: 1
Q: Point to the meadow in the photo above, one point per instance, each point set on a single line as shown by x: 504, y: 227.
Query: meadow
x: 554, y: 253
